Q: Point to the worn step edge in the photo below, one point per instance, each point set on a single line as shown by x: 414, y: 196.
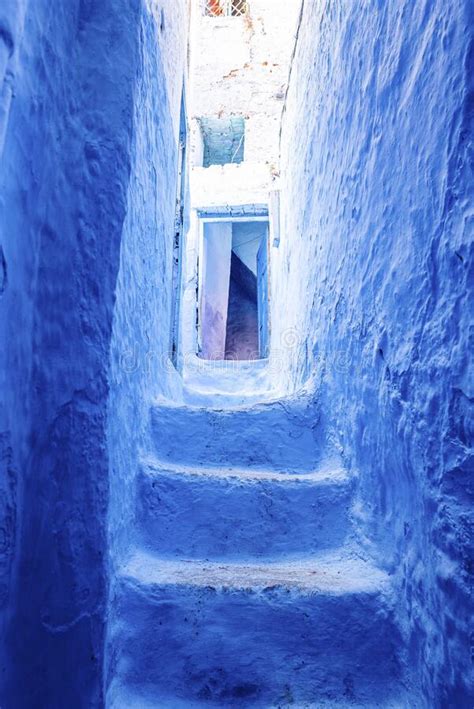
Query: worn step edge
x: 275, y: 402
x: 120, y: 697
x: 217, y: 400
x: 325, y: 476
x: 330, y: 574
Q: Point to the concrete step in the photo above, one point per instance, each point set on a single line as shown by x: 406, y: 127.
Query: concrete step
x: 215, y: 398
x: 256, y: 635
x: 227, y: 377
x: 276, y: 435
x: 119, y: 697
x: 229, y: 513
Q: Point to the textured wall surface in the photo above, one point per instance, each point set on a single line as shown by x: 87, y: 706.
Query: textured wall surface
x: 67, y: 181
x: 15, y: 352
x: 372, y: 293
x: 140, y: 365
x: 141, y: 337
x: 246, y: 71
x: 371, y: 302
x: 64, y: 167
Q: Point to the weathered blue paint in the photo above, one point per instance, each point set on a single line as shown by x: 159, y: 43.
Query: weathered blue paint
x: 185, y: 512
x: 247, y: 582
x: 237, y: 636
x: 224, y: 140
x: 241, y: 210
x: 313, y: 550
x: 140, y: 365
x: 71, y: 173
x: 373, y: 289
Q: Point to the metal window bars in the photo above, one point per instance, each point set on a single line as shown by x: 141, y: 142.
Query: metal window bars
x: 225, y: 8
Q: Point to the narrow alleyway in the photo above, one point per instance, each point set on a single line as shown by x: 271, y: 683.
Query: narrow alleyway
x: 236, y: 399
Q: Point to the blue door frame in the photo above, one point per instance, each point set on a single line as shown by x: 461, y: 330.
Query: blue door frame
x: 262, y: 298
x: 179, y: 226
x: 245, y: 213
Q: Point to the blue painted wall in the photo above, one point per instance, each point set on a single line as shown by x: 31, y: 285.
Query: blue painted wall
x: 140, y: 365
x: 372, y: 293
x: 15, y: 352
x: 69, y: 194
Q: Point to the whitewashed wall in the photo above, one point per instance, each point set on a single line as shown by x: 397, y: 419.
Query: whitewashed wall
x: 237, y: 66
x: 240, y: 66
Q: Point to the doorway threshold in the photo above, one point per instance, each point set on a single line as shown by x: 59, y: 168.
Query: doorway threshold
x: 226, y: 383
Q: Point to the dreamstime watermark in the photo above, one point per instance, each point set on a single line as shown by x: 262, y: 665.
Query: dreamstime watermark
x: 290, y: 339
x: 293, y: 352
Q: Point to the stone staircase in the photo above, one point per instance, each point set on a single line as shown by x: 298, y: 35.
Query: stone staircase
x: 245, y: 587
x: 227, y: 383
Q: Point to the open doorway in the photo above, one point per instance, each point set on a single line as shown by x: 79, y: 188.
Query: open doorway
x: 233, y: 299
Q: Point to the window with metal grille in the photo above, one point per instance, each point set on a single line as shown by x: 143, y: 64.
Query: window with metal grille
x: 225, y: 8
x: 224, y: 140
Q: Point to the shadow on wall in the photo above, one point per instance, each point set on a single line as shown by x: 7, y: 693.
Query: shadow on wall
x: 242, y: 318
x: 377, y: 148
x: 65, y: 174
x: 234, y: 290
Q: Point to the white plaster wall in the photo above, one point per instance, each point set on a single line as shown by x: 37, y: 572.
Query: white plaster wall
x: 196, y: 143
x: 229, y: 185
x: 240, y: 66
